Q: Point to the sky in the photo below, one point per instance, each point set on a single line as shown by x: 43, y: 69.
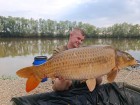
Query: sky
x: 100, y: 13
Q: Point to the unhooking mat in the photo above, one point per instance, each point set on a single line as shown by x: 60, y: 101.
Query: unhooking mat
x: 106, y: 94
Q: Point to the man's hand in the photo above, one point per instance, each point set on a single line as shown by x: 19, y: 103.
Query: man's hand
x: 61, y: 84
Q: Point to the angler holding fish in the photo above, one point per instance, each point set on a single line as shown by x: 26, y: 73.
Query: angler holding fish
x: 84, y: 63
x: 72, y: 65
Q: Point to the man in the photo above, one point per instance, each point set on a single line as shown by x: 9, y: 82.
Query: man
x: 76, y: 38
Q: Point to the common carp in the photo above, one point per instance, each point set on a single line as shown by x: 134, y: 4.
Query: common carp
x: 85, y: 63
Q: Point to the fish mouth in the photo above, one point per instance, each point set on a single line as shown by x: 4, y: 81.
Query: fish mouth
x: 138, y: 61
x: 137, y: 64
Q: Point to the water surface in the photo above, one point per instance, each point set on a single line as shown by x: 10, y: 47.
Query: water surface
x: 16, y: 53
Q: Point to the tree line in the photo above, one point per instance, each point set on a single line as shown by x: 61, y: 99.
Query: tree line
x: 22, y: 27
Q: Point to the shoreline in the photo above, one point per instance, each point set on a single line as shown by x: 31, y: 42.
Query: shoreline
x: 15, y: 86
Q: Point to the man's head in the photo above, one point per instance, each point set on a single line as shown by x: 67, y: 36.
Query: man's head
x: 76, y: 38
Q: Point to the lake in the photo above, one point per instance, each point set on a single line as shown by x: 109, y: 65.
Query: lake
x: 16, y: 53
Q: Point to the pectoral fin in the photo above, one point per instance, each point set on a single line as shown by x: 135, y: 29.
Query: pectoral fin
x: 91, y: 83
x: 112, y: 75
x: 32, y: 83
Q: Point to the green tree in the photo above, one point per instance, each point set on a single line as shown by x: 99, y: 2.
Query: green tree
x: 134, y: 31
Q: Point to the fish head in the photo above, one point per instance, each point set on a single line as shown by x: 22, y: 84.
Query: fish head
x: 124, y: 59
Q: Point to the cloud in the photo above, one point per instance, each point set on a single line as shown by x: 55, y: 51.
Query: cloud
x: 35, y: 8
x: 97, y: 12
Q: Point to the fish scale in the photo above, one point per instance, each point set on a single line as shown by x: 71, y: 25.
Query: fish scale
x: 80, y: 59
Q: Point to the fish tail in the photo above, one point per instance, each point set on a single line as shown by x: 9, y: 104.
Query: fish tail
x: 32, y: 81
x: 25, y: 72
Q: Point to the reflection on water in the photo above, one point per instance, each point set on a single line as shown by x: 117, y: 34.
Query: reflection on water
x: 122, y: 44
x: 20, y: 47
x: 18, y: 53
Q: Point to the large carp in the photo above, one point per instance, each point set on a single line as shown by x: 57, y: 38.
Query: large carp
x: 85, y: 63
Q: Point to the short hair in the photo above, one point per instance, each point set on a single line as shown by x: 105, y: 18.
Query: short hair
x: 79, y: 30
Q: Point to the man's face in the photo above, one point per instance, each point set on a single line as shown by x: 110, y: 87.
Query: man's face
x: 76, y: 39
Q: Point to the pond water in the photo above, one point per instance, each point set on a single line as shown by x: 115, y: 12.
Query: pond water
x: 16, y: 53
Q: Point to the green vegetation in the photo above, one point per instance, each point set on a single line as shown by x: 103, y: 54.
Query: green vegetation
x: 21, y: 27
